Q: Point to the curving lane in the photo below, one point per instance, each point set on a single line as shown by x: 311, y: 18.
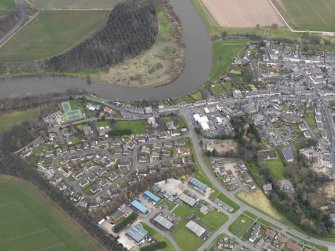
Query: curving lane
x: 21, y: 7
x: 197, y: 68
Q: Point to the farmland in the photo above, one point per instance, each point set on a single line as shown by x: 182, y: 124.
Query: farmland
x: 308, y: 14
x: 30, y: 222
x: 243, y: 14
x: 74, y: 4
x: 8, y: 120
x: 51, y: 33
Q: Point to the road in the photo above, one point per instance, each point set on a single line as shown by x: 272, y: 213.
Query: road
x: 230, y: 195
x: 21, y: 7
x: 165, y: 234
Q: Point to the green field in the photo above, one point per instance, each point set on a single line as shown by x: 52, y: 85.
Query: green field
x: 135, y: 126
x: 6, y: 4
x: 8, y: 120
x: 224, y: 53
x: 277, y: 168
x: 308, y: 14
x: 31, y: 222
x: 240, y: 225
x: 218, y: 89
x: 158, y: 237
x: 51, y: 33
x: 186, y: 239
x: 74, y: 4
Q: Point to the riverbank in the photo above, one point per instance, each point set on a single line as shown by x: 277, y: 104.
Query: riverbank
x: 196, y: 69
x: 160, y: 65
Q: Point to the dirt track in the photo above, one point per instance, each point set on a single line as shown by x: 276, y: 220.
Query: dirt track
x: 243, y: 13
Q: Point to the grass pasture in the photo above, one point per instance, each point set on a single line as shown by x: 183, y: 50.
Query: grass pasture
x: 186, y: 239
x: 308, y: 14
x: 277, y: 168
x: 6, y: 4
x: 224, y: 53
x: 74, y: 4
x: 260, y: 202
x: 8, y: 120
x: 158, y: 237
x: 240, y: 225
x: 51, y: 33
x: 133, y: 127
x: 30, y: 222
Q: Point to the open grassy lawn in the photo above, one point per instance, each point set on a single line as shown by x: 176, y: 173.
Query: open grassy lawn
x: 158, y: 237
x: 240, y: 225
x: 224, y: 53
x: 277, y: 168
x: 135, y: 126
x: 51, y: 33
x: 186, y: 239
x: 308, y: 14
x: 260, y: 202
x: 214, y: 219
x: 74, y: 4
x: 8, y: 120
x: 218, y: 89
x: 6, y: 4
x: 30, y: 222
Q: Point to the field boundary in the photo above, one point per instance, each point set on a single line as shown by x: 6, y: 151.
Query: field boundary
x: 62, y: 211
x: 20, y: 29
x: 325, y: 33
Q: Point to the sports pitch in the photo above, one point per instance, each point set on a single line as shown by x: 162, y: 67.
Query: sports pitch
x: 308, y: 14
x: 51, y: 33
x: 30, y: 222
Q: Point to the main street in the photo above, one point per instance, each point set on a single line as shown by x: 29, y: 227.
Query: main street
x: 230, y: 195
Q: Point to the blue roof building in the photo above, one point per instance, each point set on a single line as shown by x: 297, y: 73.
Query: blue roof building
x: 198, y: 184
x: 151, y: 196
x: 137, y: 233
x: 139, y: 207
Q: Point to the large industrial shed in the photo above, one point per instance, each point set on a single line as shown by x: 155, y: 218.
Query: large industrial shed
x: 151, y: 196
x: 137, y: 233
x: 139, y: 207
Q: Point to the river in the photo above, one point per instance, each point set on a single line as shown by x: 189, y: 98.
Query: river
x: 197, y: 69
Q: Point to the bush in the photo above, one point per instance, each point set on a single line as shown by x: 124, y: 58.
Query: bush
x: 156, y: 246
x: 122, y: 224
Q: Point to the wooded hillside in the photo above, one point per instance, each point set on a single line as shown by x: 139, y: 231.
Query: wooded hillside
x: 131, y: 28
